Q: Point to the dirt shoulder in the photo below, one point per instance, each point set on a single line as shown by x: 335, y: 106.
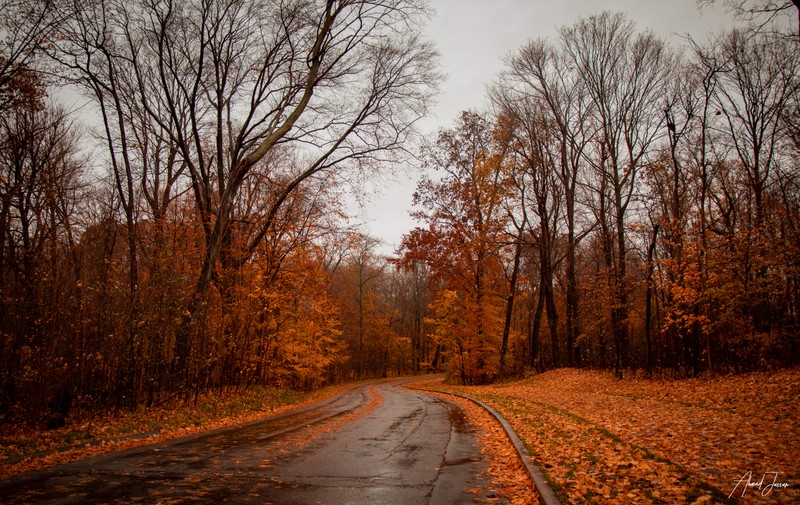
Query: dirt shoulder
x: 603, y: 440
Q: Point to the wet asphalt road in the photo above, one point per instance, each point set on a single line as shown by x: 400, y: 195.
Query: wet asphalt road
x: 411, y: 448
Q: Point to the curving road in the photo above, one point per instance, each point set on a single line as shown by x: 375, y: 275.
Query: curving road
x: 373, y: 444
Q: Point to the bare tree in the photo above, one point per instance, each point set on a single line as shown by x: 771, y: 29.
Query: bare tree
x: 759, y: 79
x: 624, y: 74
x: 763, y: 11
x: 540, y: 78
x: 226, y: 83
x: 26, y: 27
x: 534, y: 143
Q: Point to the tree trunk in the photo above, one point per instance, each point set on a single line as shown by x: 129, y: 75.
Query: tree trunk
x: 512, y: 291
x: 648, y: 314
x: 535, y: 329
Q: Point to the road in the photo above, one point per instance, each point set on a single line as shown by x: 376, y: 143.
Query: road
x: 373, y: 444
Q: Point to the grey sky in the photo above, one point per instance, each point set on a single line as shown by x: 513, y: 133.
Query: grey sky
x: 473, y: 36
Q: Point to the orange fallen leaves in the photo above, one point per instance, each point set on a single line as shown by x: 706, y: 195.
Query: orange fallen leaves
x: 602, y: 440
x: 505, y: 468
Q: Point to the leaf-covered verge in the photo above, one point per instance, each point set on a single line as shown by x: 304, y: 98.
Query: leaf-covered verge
x: 603, y: 440
x: 23, y: 449
x: 510, y: 481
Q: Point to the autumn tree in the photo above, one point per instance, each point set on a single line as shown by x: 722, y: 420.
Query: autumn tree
x: 671, y: 208
x: 291, y: 334
x: 462, y: 243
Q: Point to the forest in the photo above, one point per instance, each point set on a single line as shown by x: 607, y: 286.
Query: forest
x: 623, y: 204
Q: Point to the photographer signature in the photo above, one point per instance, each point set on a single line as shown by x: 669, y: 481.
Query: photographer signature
x: 768, y: 482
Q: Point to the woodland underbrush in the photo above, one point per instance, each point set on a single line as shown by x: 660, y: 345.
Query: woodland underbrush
x: 25, y: 448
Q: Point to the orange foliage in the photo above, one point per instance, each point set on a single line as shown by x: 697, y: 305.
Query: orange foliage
x: 463, y: 246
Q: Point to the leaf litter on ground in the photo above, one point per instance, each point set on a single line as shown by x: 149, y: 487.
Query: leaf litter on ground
x: 638, y: 440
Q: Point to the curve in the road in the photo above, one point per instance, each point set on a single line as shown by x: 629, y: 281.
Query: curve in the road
x: 378, y: 443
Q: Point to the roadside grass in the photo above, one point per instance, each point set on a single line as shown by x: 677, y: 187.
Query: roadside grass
x: 600, y: 440
x: 24, y: 449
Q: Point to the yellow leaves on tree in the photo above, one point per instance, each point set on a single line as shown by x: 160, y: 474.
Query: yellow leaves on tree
x: 296, y: 324
x: 469, y: 333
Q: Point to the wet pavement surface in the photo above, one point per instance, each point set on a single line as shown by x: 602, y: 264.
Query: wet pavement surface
x: 374, y: 444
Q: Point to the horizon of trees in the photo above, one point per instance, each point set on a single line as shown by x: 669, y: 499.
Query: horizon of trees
x: 623, y: 205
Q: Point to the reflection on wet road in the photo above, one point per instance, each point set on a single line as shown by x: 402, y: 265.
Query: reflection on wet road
x: 373, y: 444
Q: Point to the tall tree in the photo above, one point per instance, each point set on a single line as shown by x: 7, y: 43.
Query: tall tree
x: 624, y: 74
x: 535, y: 145
x: 465, y: 215
x: 539, y: 78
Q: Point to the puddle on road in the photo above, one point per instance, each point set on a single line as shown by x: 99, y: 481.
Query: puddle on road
x: 458, y: 419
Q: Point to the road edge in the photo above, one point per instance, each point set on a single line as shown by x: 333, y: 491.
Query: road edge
x: 543, y: 489
x: 14, y: 466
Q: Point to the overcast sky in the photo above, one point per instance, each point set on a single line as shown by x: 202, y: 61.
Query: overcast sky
x: 473, y: 36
